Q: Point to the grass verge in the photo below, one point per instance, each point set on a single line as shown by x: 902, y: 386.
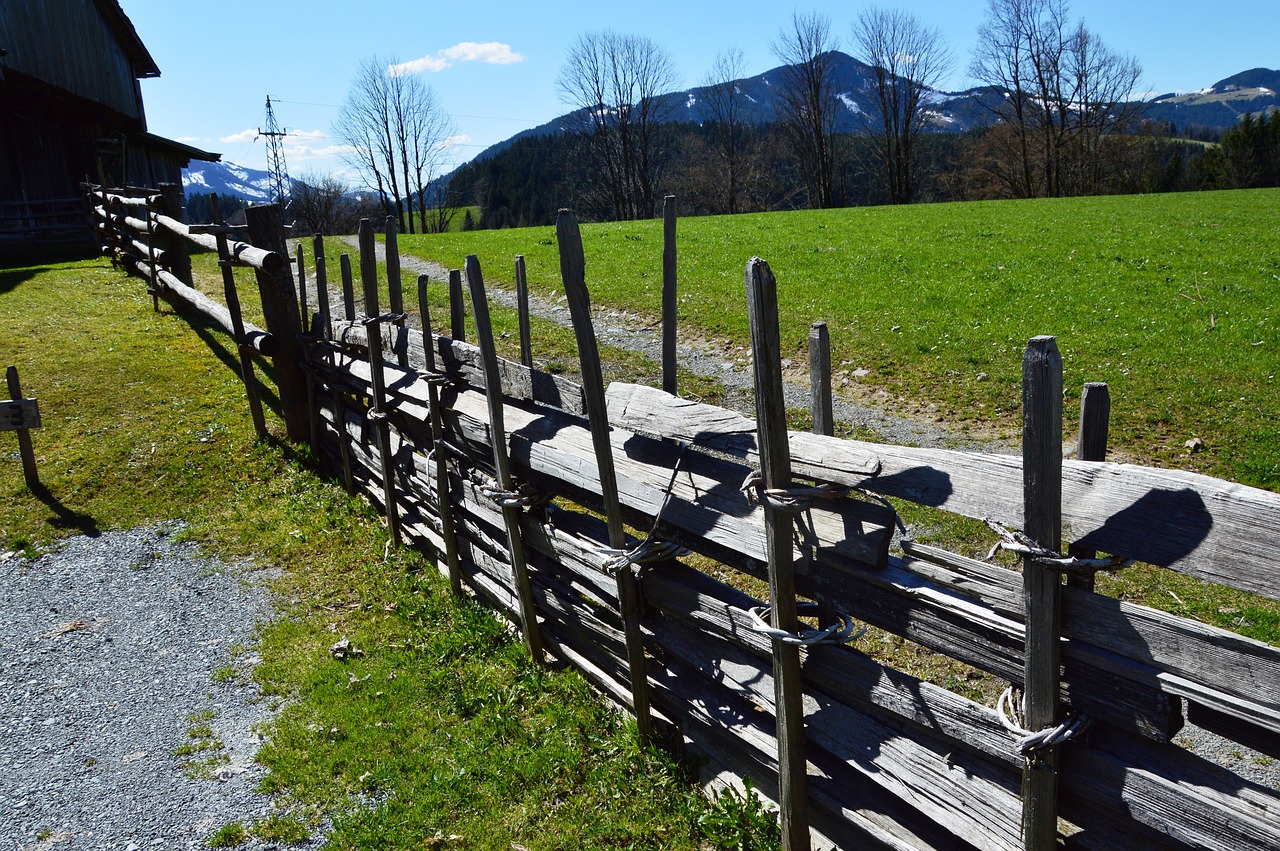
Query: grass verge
x: 443, y: 728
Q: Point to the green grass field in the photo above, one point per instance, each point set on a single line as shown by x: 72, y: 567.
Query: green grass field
x: 1173, y: 300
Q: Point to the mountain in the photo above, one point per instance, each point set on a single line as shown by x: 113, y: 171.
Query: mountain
x: 1223, y: 104
x: 949, y: 112
x: 226, y: 178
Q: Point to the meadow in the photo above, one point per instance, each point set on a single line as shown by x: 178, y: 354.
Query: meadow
x: 1173, y: 300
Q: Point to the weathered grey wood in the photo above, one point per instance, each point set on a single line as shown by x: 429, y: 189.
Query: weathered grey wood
x: 501, y: 462
x: 348, y: 287
x: 177, y: 254
x: 1095, y: 420
x: 247, y: 375
x: 457, y: 308
x: 444, y: 499
x: 255, y: 256
x: 369, y: 281
x: 1194, y: 524
x: 255, y: 338
x: 322, y: 286
x: 522, y: 312
x: 1042, y: 508
x: 820, y: 379
x: 775, y: 470
x: 280, y: 309
x: 670, y: 296
x: 300, y: 261
x: 30, y: 474
x: 395, y: 288
x: 573, y: 275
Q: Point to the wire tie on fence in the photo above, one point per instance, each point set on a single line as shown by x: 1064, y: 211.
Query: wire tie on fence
x: 652, y: 548
x: 795, y: 499
x: 1031, y: 743
x: 383, y: 317
x: 437, y: 378
x: 375, y: 416
x: 1018, y: 542
x: 524, y: 496
x: 840, y: 632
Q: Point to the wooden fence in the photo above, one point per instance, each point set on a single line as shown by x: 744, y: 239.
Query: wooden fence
x: 598, y: 519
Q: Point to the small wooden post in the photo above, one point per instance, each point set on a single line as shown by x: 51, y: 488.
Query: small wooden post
x: 300, y: 261
x: 573, y: 273
x: 395, y: 290
x: 232, y: 297
x: 322, y: 286
x: 280, y: 309
x: 501, y: 460
x: 348, y: 288
x: 775, y: 469
x: 25, y: 449
x: 373, y: 329
x: 176, y: 250
x: 820, y: 379
x: 1095, y: 421
x: 1042, y: 587
x: 449, y: 530
x: 522, y: 308
x: 669, y: 294
x: 457, y: 310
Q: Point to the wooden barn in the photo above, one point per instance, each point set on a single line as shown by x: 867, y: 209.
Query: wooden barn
x: 71, y: 110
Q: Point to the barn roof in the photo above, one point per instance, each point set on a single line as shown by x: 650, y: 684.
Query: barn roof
x: 143, y: 64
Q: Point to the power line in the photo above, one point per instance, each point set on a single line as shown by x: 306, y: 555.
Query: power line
x: 275, y: 155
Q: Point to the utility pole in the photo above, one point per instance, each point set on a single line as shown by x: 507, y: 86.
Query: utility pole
x: 274, y: 135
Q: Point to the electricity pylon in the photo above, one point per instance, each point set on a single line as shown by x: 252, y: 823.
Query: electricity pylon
x: 275, y: 156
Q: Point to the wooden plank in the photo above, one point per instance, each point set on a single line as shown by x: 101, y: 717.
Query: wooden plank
x: 669, y: 295
x: 775, y: 471
x: 258, y: 257
x: 573, y: 276
x: 19, y: 414
x: 1041, y: 587
x: 260, y: 341
x: 501, y: 463
x: 1194, y: 524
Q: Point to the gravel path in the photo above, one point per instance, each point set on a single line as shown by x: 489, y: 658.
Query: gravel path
x: 113, y: 650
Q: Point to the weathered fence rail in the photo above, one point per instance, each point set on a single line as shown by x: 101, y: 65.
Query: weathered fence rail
x: 524, y: 484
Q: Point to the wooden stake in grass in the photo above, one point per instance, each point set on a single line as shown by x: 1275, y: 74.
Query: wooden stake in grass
x: 501, y: 461
x: 669, y: 295
x: 1042, y: 587
x: 448, y: 528
x: 373, y: 327
x: 775, y: 470
x: 1095, y: 420
x: 322, y: 287
x: 573, y: 273
x: 23, y: 416
x: 522, y: 310
x: 820, y: 379
x: 247, y: 374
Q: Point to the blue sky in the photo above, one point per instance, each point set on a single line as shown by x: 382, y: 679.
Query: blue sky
x: 494, y: 64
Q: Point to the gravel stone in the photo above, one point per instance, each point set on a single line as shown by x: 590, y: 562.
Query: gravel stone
x: 108, y: 652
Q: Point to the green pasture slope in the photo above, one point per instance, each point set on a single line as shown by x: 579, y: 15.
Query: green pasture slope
x: 1173, y: 300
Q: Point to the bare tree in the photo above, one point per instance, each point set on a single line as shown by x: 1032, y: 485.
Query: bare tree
x: 1063, y: 92
x: 395, y: 128
x: 807, y: 101
x: 907, y: 59
x: 730, y: 119
x: 618, y: 85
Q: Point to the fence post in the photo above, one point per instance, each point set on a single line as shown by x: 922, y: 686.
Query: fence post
x: 820, y: 379
x: 573, y: 273
x: 457, y: 310
x: 280, y: 309
x: 501, y: 460
x: 175, y: 249
x: 522, y: 309
x: 1095, y: 419
x: 230, y: 295
x: 25, y: 449
x: 1042, y: 587
x: 444, y: 496
x: 669, y: 297
x: 775, y: 470
x: 348, y: 287
x: 322, y: 286
x: 373, y: 332
x: 395, y: 292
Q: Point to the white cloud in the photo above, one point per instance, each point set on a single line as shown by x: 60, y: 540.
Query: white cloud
x: 308, y: 134
x: 457, y: 141
x: 306, y: 152
x: 237, y: 138
x: 490, y: 52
